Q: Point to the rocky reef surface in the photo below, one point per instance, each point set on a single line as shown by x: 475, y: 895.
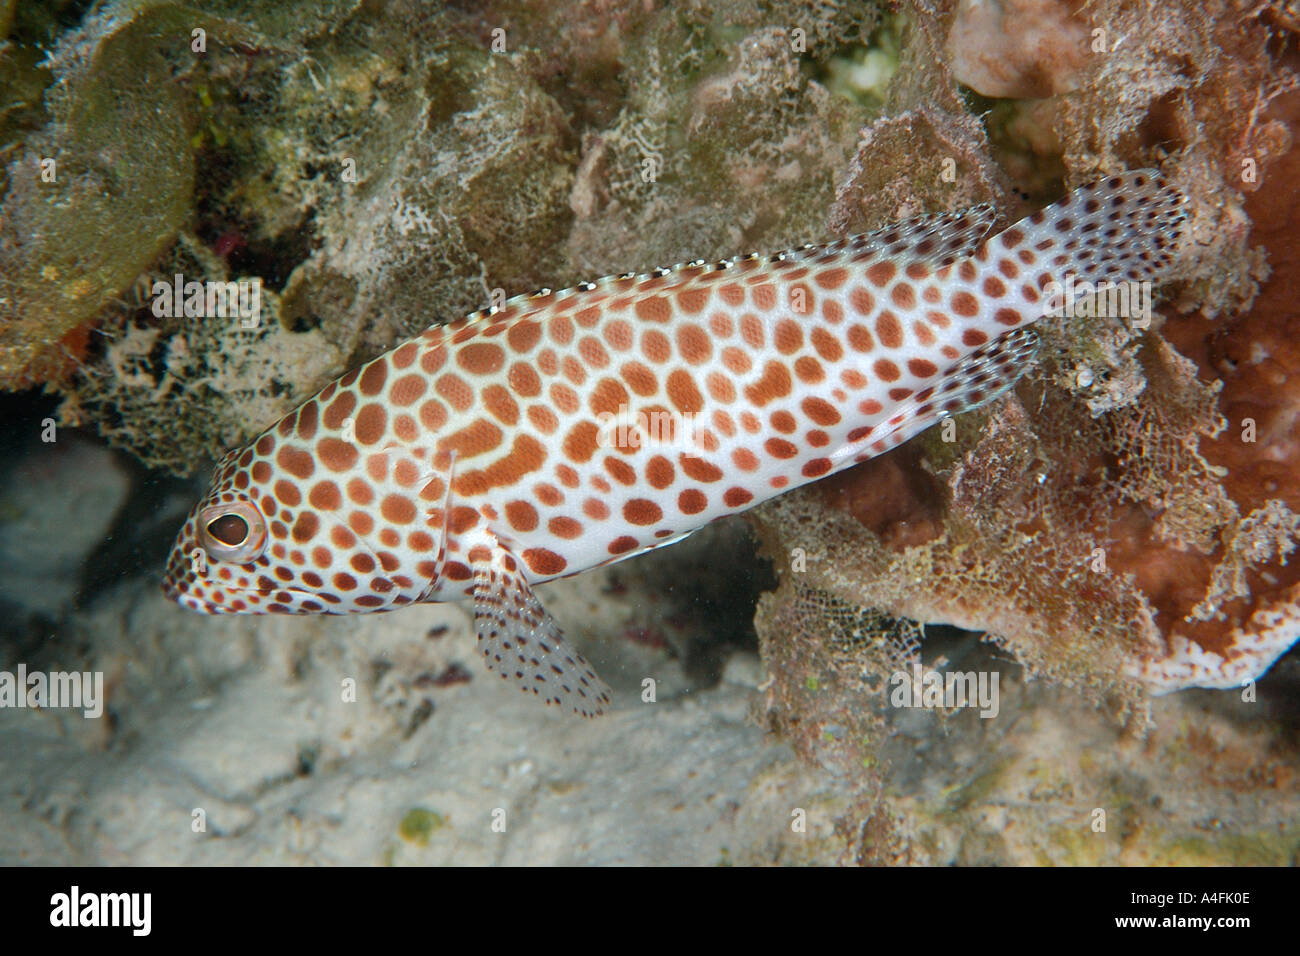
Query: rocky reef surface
x: 1120, y: 526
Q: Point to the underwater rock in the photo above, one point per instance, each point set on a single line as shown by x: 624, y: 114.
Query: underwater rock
x: 1018, y: 48
x: 72, y: 485
x: 94, y: 197
x: 352, y: 741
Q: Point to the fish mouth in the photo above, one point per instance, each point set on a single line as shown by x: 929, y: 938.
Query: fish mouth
x: 187, y: 599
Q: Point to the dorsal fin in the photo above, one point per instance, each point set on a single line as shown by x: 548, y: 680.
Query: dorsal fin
x: 936, y: 239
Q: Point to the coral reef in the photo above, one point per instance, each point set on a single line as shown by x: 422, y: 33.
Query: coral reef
x: 92, y: 198
x: 216, y: 377
x: 72, y: 480
x: 1020, y: 49
x: 1097, y: 457
x: 1124, y: 522
x: 460, y: 157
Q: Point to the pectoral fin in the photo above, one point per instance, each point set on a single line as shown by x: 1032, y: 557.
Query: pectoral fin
x: 522, y: 642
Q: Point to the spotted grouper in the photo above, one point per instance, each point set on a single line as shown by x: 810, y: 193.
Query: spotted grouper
x: 568, y: 430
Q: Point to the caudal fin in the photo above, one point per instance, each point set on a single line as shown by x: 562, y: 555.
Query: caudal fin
x: 1124, y: 228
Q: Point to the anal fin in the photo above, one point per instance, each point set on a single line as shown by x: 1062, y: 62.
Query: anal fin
x: 987, y: 373
x: 522, y: 642
x: 975, y: 380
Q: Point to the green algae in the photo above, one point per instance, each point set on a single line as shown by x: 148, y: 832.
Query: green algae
x: 419, y: 825
x: 119, y: 188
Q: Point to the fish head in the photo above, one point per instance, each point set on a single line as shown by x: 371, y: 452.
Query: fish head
x: 297, y: 522
x: 220, y: 561
x: 255, y: 544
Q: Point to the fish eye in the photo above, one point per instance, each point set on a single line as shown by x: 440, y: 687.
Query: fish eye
x: 233, y: 532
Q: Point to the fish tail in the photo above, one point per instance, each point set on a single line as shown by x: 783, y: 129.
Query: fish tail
x: 1126, y: 228
x: 1095, y: 252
